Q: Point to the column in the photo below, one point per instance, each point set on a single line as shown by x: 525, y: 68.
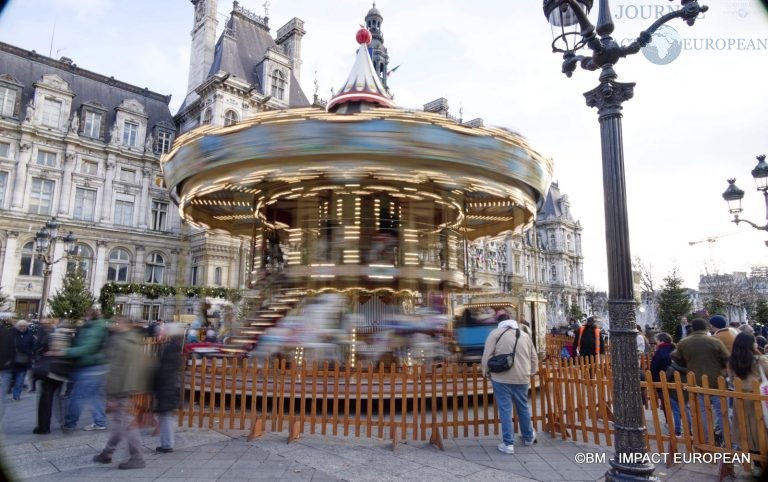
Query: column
x: 10, y: 264
x: 138, y: 266
x: 20, y: 176
x: 144, y: 200
x: 58, y: 269
x: 174, y: 278
x: 99, y: 272
x: 66, y: 185
x: 106, y: 205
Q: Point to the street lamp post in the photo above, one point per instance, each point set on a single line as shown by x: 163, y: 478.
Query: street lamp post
x: 45, y: 243
x: 575, y: 31
x: 733, y: 195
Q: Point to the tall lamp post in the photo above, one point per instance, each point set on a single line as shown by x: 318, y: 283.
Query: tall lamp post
x: 45, y: 243
x: 573, y: 31
x: 733, y: 195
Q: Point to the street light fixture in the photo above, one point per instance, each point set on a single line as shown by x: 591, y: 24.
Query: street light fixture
x: 575, y: 31
x: 45, y: 244
x: 733, y: 195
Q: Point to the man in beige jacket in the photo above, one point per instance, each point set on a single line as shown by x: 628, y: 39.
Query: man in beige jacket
x: 512, y: 385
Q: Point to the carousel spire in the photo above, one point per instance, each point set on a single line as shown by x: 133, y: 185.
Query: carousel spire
x: 363, y: 88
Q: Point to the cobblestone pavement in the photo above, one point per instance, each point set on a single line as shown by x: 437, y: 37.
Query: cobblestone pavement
x: 211, y: 455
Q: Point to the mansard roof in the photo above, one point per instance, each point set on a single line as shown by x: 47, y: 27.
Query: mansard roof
x: 242, y: 47
x: 553, y: 204
x: 89, y: 87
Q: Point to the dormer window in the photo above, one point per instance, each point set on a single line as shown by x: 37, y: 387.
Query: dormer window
x: 8, y: 96
x: 278, y: 84
x: 130, y: 134
x: 52, y: 112
x: 92, y: 125
x: 230, y: 117
x: 164, y: 141
x: 208, y: 116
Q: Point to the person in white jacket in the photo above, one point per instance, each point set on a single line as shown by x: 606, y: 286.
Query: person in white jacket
x: 512, y: 385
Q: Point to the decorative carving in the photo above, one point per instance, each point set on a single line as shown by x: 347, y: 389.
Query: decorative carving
x: 25, y: 146
x: 140, y: 247
x: 75, y: 124
x: 114, y: 134
x: 100, y: 243
x: 148, y: 143
x: 69, y: 157
x: 609, y: 95
x: 30, y: 111
x: 12, y: 234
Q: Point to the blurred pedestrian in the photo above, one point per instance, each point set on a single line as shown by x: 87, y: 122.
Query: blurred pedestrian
x: 7, y: 354
x: 167, y: 384
x: 511, y: 386
x: 52, y: 369
x: 24, y: 342
x: 89, y: 359
x: 129, y: 369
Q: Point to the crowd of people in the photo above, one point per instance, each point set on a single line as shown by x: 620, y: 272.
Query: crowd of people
x: 98, y: 364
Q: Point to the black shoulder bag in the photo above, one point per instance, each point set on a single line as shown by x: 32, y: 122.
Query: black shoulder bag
x: 502, y: 363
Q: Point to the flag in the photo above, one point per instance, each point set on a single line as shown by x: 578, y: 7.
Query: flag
x: 391, y: 71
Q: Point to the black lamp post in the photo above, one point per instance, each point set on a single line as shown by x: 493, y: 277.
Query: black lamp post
x: 573, y: 31
x: 45, y: 242
x: 733, y: 195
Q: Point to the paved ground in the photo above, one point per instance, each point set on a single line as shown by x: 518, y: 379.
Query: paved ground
x: 211, y: 455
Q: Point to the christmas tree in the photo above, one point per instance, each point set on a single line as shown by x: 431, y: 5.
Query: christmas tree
x: 674, y: 302
x: 73, y: 298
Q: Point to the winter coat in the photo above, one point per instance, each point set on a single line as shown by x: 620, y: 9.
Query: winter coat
x: 703, y: 355
x: 727, y: 337
x: 661, y: 360
x: 753, y: 427
x: 167, y: 379
x: 89, y: 346
x: 129, y: 366
x: 526, y: 359
x: 25, y: 348
x: 586, y: 337
x: 7, y: 347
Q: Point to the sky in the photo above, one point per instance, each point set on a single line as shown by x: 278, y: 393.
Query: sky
x: 692, y: 123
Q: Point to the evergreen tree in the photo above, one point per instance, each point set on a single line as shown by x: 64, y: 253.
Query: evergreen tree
x: 673, y: 302
x: 759, y: 312
x: 3, y: 299
x: 715, y: 306
x: 74, y: 298
x: 575, y: 311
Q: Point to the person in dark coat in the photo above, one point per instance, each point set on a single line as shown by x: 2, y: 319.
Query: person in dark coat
x: 52, y: 371
x: 660, y: 363
x: 25, y: 349
x: 7, y: 354
x: 166, y: 384
x: 588, y: 340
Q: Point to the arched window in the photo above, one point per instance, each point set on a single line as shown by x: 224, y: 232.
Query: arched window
x: 155, y: 268
x: 208, y: 116
x: 119, y: 264
x: 31, y: 265
x: 278, y: 84
x: 230, y: 117
x: 83, y: 258
x: 217, y: 276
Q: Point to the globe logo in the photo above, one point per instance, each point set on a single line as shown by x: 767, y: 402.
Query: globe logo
x: 665, y: 46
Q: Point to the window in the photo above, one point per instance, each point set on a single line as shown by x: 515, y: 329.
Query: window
x: 83, y: 259
x: 127, y: 175
x: 3, y: 182
x: 207, y: 116
x: 150, y: 312
x: 159, y: 215
x: 119, y: 262
x: 130, y: 134
x: 45, y: 158
x: 217, y: 276
x: 164, y: 141
x: 92, y: 126
x: 553, y: 269
x: 31, y: 265
x: 89, y: 167
x: 194, y: 275
x: 124, y: 213
x: 40, y: 196
x: 7, y: 101
x: 278, y: 84
x: 5, y: 150
x: 155, y: 268
x: 85, y: 204
x: 230, y: 117
x: 52, y: 113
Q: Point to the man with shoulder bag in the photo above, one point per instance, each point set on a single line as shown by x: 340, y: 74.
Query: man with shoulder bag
x: 510, y: 360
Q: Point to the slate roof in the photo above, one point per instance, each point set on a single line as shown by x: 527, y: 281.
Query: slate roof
x: 240, y: 52
x: 552, y: 207
x: 29, y: 67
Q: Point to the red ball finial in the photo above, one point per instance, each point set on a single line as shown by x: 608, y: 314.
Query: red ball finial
x: 363, y: 36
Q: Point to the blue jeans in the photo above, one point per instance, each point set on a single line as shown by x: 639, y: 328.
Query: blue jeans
x: 5, y: 383
x: 167, y: 427
x: 505, y: 394
x: 675, y: 405
x: 20, y: 375
x: 717, y: 414
x: 88, y: 389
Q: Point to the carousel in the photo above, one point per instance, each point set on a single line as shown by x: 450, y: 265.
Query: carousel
x: 361, y: 198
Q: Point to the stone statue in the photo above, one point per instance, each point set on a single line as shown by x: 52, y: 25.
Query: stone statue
x: 75, y: 124
x: 148, y: 144
x: 30, y: 111
x: 114, y: 134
